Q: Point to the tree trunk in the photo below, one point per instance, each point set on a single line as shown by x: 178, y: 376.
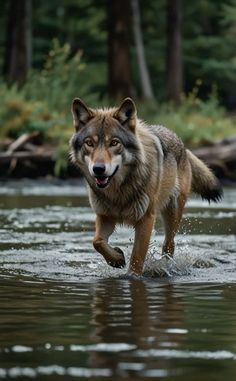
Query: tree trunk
x: 18, y: 41
x: 174, y: 51
x: 119, y: 72
x: 146, y: 87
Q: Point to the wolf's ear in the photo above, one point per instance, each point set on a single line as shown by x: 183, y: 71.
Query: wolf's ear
x: 126, y: 114
x: 81, y: 113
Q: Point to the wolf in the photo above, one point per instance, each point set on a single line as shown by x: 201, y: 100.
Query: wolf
x: 134, y: 171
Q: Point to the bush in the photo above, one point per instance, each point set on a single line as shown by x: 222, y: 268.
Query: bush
x: 196, y: 121
x: 43, y: 103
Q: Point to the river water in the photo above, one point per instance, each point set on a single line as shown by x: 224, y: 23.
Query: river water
x: 65, y: 314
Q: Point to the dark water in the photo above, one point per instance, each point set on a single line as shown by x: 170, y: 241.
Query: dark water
x: 64, y: 314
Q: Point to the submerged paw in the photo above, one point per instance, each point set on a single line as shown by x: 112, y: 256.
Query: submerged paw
x: 200, y: 263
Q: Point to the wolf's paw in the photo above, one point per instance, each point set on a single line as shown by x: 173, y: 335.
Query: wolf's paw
x: 203, y: 263
x: 119, y: 260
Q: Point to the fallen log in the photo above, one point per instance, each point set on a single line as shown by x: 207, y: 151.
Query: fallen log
x: 40, y: 155
x: 224, y: 151
x: 221, y: 157
x: 21, y: 141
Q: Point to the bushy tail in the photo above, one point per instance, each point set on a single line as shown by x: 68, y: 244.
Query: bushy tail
x: 204, y: 181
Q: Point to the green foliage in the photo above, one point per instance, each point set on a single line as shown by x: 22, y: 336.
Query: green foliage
x: 209, y: 28
x: 196, y: 121
x: 43, y: 103
x: 77, y: 62
x: 60, y: 80
x: 81, y: 23
x: 229, y: 16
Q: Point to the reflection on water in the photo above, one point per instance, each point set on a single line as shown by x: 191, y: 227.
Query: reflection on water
x: 117, y: 329
x: 64, y: 314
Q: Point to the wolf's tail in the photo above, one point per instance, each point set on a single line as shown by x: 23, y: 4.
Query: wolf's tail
x: 204, y: 181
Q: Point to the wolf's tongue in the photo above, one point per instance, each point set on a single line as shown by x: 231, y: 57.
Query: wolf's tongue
x: 101, y: 180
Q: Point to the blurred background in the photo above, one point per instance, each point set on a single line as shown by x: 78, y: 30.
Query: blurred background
x: 176, y: 58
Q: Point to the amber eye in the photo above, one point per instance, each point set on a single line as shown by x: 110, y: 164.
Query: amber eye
x: 89, y: 143
x: 114, y: 143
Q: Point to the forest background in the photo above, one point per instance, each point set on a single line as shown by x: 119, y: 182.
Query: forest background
x: 176, y: 58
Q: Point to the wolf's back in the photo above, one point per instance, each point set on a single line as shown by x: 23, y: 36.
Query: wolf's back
x: 204, y: 182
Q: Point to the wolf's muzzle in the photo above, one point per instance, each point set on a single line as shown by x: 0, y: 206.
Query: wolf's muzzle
x: 101, y: 179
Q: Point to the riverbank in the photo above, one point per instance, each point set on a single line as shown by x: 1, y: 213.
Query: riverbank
x: 30, y: 157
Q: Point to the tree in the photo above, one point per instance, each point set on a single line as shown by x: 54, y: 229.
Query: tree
x: 18, y: 41
x: 146, y: 87
x: 174, y: 50
x: 119, y: 71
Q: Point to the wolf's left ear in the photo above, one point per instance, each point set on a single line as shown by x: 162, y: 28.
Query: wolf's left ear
x: 126, y: 114
x: 81, y: 113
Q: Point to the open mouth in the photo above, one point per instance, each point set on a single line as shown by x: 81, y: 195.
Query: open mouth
x: 103, y: 181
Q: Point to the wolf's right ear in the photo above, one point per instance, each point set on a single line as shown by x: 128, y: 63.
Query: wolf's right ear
x: 81, y: 113
x: 126, y: 114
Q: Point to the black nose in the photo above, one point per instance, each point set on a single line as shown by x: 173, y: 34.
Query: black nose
x: 99, y: 169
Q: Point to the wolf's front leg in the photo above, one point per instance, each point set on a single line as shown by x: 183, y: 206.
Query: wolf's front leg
x: 143, y: 231
x: 104, y: 228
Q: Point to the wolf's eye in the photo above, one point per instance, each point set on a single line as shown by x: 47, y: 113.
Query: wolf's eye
x: 114, y: 142
x: 89, y: 143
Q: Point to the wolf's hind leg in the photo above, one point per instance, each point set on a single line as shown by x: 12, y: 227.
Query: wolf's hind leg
x: 172, y: 215
x: 104, y: 228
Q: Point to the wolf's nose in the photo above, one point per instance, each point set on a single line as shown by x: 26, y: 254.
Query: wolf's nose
x: 99, y: 169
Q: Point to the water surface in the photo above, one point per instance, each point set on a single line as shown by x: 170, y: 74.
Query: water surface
x: 64, y: 314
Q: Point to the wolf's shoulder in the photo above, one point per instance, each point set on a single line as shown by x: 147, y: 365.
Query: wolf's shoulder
x: 170, y: 142
x: 164, y: 133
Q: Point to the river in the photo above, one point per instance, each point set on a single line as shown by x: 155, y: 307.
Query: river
x: 65, y: 314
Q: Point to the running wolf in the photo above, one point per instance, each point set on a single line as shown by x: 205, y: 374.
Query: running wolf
x: 135, y: 170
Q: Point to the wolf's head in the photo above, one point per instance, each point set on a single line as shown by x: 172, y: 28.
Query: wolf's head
x: 104, y: 144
